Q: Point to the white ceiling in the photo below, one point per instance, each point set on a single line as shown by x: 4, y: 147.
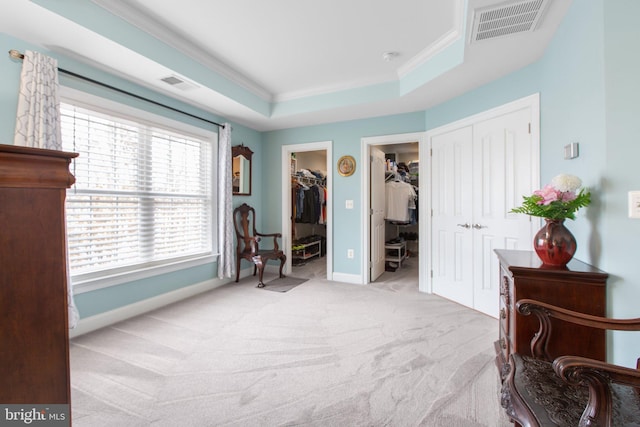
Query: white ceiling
x: 285, y: 63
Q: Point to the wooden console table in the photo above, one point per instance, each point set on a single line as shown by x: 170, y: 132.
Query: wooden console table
x: 579, y: 287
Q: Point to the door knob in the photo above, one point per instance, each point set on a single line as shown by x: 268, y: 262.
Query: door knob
x: 465, y: 225
x: 478, y: 226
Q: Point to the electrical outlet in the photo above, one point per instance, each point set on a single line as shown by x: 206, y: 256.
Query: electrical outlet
x: 350, y: 253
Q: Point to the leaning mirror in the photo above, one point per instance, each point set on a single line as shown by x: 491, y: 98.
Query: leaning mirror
x: 241, y: 170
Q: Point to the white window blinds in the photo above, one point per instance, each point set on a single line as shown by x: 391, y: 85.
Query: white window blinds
x: 142, y: 196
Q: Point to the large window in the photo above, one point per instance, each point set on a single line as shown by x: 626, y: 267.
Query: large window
x: 143, y: 195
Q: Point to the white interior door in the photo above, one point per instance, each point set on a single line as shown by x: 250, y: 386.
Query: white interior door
x: 503, y: 172
x: 452, y: 214
x: 377, y: 225
x: 479, y: 173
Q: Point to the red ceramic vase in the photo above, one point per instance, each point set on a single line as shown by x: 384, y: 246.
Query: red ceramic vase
x: 554, y: 243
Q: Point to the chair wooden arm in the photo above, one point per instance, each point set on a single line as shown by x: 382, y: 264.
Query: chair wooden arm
x: 570, y: 390
x: 275, y: 236
x: 598, y: 376
x: 544, y: 312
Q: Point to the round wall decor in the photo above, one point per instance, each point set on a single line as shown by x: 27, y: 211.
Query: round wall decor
x: 346, y: 165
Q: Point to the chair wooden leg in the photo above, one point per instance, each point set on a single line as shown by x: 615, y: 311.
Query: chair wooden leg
x: 237, y: 267
x: 283, y: 259
x: 260, y: 267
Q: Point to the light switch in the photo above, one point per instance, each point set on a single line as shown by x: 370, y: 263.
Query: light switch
x: 348, y: 204
x: 634, y: 204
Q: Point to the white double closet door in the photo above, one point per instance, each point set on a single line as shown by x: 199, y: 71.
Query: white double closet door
x: 479, y: 173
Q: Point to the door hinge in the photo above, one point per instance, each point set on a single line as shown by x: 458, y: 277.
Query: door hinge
x: 529, y: 128
x: 431, y: 152
x: 370, y: 211
x: 370, y: 264
x: 431, y: 274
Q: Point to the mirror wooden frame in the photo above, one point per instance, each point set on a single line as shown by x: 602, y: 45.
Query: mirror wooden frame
x: 237, y: 151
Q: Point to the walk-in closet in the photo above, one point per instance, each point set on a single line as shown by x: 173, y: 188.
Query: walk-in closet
x: 309, y: 213
x: 401, y: 213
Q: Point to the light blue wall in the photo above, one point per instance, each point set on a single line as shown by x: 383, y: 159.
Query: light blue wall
x: 572, y: 110
x: 99, y: 301
x: 346, y: 137
x: 621, y: 235
x: 588, y: 85
x: 10, y: 76
x: 569, y: 78
x: 590, y: 92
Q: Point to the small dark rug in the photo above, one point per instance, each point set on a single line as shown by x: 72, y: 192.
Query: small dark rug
x: 283, y: 284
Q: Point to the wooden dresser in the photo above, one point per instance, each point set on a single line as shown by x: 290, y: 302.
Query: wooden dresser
x: 34, y: 336
x: 578, y: 287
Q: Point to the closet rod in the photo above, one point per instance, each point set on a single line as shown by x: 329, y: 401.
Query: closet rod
x: 17, y: 55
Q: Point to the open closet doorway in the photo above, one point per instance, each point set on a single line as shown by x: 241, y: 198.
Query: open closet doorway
x: 393, y: 251
x: 306, y: 209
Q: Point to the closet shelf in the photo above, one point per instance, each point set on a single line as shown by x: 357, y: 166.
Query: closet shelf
x: 306, y: 250
x: 396, y: 252
x: 307, y: 180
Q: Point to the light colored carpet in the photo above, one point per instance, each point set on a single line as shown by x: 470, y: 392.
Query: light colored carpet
x: 283, y: 284
x: 325, y: 354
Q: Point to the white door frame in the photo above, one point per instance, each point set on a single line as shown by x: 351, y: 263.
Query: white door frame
x: 424, y: 143
x: 532, y: 101
x: 424, y: 220
x: 286, y: 199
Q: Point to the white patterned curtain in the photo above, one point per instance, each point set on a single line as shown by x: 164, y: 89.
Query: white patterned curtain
x: 38, y: 122
x: 38, y: 115
x: 225, y: 213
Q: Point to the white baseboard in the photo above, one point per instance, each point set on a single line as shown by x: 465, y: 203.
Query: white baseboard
x: 89, y: 324
x: 347, y: 278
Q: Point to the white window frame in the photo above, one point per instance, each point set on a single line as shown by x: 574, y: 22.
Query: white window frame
x: 93, y: 281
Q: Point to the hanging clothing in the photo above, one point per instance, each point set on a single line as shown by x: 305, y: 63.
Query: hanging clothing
x: 400, y: 200
x: 309, y: 204
x: 322, y: 191
x: 299, y: 200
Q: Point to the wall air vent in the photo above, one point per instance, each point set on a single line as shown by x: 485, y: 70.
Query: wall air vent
x: 507, y: 18
x: 179, y: 82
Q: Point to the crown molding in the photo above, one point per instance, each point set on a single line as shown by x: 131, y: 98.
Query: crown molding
x: 429, y: 52
x: 329, y: 89
x: 444, y: 41
x: 140, y: 19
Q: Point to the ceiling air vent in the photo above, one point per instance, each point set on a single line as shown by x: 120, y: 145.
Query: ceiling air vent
x: 179, y: 82
x: 507, y: 18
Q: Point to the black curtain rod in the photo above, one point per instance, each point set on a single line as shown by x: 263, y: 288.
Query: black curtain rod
x: 17, y: 55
